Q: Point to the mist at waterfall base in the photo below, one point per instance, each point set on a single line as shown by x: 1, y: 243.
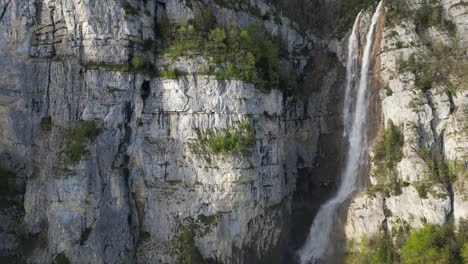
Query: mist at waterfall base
x: 318, y: 247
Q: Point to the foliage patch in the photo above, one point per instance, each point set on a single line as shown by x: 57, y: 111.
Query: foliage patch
x: 375, y: 249
x: 430, y: 244
x: 7, y: 181
x: 78, y: 136
x: 85, y: 235
x: 348, y: 12
x: 46, y: 124
x: 442, y: 65
x: 238, y: 140
x: 247, y: 54
x: 387, y: 153
x: 187, y: 251
x: 61, y: 259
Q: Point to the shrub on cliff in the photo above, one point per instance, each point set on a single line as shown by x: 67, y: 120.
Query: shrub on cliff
x: 248, y: 54
x: 46, y: 124
x: 347, y: 13
x: 387, y: 153
x: 237, y: 140
x: 431, y: 15
x: 464, y: 253
x: 61, y: 259
x: 7, y: 181
x: 187, y: 251
x: 431, y: 244
x: 78, y: 136
x: 376, y: 249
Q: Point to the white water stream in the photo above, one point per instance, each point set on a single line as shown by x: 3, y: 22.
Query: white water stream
x: 318, y: 246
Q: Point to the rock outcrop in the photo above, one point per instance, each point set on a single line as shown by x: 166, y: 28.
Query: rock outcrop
x: 432, y: 171
x: 105, y: 164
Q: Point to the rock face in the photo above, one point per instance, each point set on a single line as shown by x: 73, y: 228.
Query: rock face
x: 138, y: 184
x: 102, y: 164
x: 433, y: 122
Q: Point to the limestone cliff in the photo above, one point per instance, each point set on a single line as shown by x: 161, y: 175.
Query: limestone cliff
x: 116, y: 149
x: 104, y: 162
x: 423, y: 91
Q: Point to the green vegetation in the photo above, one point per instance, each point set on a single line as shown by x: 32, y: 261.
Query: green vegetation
x: 61, y: 259
x: 29, y: 243
x: 427, y: 157
x: 205, y: 223
x: 422, y: 190
x: 148, y: 44
x: 163, y: 31
x: 458, y: 172
x: 208, y: 220
x: 388, y: 152
x: 428, y: 15
x: 441, y: 65
x: 431, y: 16
x: 428, y: 245
x: 238, y: 140
x: 424, y: 78
x: 78, y: 137
x: 128, y: 9
x: 387, y: 212
x: 347, y: 13
x: 247, y: 54
x: 174, y: 182
x: 457, y: 168
x: 46, y: 124
x: 399, y: 232
x: 124, y: 67
x: 7, y: 181
x: 376, y: 249
x: 407, y: 65
x: 138, y: 64
x: 396, y: 11
x: 440, y: 172
x: 199, y: 183
x: 434, y: 244
x: 85, y: 235
x: 388, y: 91
x: 187, y: 251
x: 187, y: 38
x: 143, y: 236
x: 332, y: 20
x: 135, y: 64
x: 173, y: 74
x: 464, y: 253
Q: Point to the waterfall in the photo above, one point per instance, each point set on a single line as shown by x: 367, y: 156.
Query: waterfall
x: 319, y: 241
x: 351, y: 71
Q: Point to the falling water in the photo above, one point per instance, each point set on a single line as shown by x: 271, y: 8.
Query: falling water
x: 318, y: 245
x: 351, y: 71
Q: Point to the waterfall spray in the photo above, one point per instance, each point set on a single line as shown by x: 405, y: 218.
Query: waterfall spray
x: 318, y: 245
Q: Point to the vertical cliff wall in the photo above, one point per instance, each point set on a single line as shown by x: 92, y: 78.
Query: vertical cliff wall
x: 106, y: 164
x: 423, y: 91
x: 105, y: 143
